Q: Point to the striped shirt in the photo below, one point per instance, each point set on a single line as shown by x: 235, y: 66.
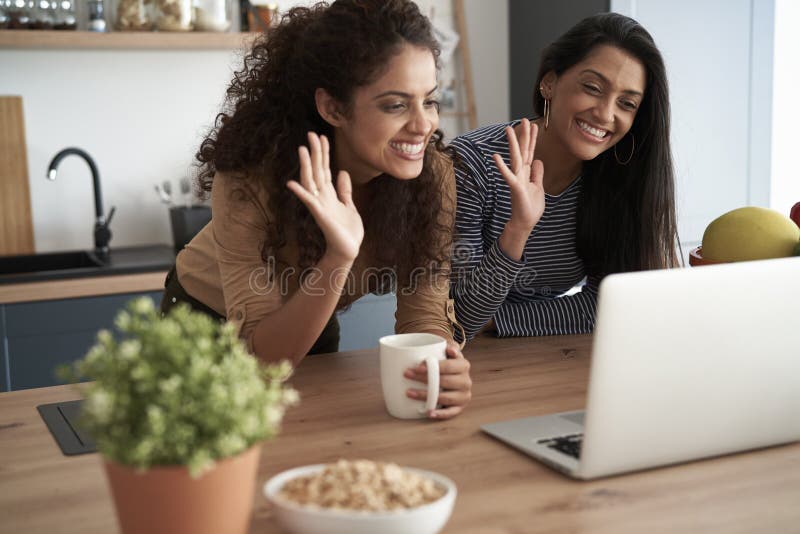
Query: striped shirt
x: 526, y: 297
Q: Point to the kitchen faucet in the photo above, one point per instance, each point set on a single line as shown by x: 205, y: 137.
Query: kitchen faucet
x: 102, y: 232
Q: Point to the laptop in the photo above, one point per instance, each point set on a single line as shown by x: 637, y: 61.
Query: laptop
x: 686, y: 364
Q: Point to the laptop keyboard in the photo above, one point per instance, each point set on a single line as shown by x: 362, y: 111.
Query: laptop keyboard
x: 569, y: 445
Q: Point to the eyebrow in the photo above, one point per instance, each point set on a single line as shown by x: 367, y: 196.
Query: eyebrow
x: 607, y: 81
x: 402, y: 94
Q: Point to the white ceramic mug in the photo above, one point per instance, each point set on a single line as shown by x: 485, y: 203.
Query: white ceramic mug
x: 403, y: 351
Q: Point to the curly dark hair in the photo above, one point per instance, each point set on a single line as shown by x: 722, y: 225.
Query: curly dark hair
x: 626, y: 215
x: 270, y: 106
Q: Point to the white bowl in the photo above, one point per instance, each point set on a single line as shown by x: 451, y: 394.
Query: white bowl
x: 299, y: 519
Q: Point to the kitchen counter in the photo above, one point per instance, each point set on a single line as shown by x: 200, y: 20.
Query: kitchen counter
x: 342, y: 415
x: 122, y: 260
x: 129, y: 270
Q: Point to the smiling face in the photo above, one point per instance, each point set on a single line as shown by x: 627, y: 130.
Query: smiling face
x: 594, y: 102
x: 391, y: 120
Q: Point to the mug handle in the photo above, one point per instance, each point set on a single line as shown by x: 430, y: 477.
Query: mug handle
x: 432, y: 362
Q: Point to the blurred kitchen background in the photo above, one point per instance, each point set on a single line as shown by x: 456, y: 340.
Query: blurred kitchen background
x: 141, y: 113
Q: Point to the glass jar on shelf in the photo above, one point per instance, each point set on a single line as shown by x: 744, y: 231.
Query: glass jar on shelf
x: 42, y: 15
x: 97, y: 16
x: 213, y: 15
x: 65, y: 18
x: 19, y: 13
x: 132, y: 15
x: 5, y: 18
x: 174, y: 15
x: 261, y: 15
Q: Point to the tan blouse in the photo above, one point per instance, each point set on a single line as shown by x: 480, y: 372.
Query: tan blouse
x: 222, y: 266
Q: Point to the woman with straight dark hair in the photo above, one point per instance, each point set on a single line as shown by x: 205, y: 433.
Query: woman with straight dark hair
x: 328, y: 181
x: 597, y: 199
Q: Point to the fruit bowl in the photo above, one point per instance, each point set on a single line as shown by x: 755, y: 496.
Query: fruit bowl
x: 696, y: 258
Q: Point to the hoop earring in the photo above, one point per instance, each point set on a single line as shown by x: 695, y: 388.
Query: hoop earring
x: 633, y: 147
x: 546, y: 113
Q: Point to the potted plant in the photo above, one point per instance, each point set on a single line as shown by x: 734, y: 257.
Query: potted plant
x: 178, y: 409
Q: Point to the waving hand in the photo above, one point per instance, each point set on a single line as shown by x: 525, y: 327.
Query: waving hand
x: 334, y: 212
x: 524, y: 178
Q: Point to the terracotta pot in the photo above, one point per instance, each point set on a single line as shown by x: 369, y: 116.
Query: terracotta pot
x: 167, y: 500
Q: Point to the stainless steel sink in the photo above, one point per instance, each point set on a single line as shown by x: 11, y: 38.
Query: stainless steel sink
x: 53, y: 261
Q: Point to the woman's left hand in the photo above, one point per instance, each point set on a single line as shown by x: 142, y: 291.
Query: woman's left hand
x: 454, y: 381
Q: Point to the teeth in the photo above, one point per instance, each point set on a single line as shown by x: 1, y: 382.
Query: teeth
x: 408, y: 148
x: 594, y: 131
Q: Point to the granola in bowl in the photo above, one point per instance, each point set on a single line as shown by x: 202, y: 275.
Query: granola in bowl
x: 360, y: 497
x: 362, y: 485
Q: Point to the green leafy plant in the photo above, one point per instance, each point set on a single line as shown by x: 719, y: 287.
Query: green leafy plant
x: 178, y: 390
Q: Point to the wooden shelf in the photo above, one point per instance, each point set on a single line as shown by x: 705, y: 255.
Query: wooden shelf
x: 42, y: 39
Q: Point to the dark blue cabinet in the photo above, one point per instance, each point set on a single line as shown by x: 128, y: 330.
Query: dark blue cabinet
x: 368, y: 319
x: 4, y: 379
x: 37, y: 337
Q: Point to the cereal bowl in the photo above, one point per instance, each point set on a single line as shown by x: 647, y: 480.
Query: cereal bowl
x: 299, y: 518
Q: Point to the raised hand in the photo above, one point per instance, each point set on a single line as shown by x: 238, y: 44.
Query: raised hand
x: 524, y: 179
x: 335, y: 214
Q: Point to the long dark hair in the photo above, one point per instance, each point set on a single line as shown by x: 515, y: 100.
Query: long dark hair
x: 270, y: 106
x: 626, y: 215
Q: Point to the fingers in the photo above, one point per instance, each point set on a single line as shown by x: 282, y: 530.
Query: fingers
x: 326, y: 159
x: 446, y: 413
x: 525, y: 137
x: 520, y: 150
x: 345, y: 188
x: 305, y: 196
x: 446, y: 398
x: 315, y: 169
x: 454, y: 381
x: 306, y: 172
x: 453, y: 350
x: 537, y: 173
x: 513, y: 149
x: 532, y: 142
x: 505, y: 172
x: 453, y: 374
x: 318, y: 174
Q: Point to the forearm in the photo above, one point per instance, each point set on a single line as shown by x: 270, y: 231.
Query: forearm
x: 480, y: 291
x: 512, y: 240
x: 574, y: 314
x: 290, y: 331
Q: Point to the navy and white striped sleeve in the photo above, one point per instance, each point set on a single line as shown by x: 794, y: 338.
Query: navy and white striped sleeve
x: 481, y: 279
x: 573, y: 314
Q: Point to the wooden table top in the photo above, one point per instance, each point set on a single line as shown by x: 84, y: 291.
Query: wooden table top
x: 500, y: 490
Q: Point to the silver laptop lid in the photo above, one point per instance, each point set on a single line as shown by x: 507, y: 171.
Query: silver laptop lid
x: 695, y: 362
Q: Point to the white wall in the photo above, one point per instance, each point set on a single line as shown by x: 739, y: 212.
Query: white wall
x: 786, y: 113
x: 141, y: 114
x: 487, y: 26
x: 718, y: 58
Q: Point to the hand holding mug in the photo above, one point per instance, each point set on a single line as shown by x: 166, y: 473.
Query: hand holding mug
x: 453, y: 379
x: 406, y: 360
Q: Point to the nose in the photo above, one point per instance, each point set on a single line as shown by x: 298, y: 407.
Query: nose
x: 421, y: 122
x: 604, y: 111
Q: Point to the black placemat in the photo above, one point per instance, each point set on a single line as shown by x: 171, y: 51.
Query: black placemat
x: 61, y: 419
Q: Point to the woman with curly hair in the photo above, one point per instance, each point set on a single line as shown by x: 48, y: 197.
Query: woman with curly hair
x: 345, y: 90
x: 598, y: 199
